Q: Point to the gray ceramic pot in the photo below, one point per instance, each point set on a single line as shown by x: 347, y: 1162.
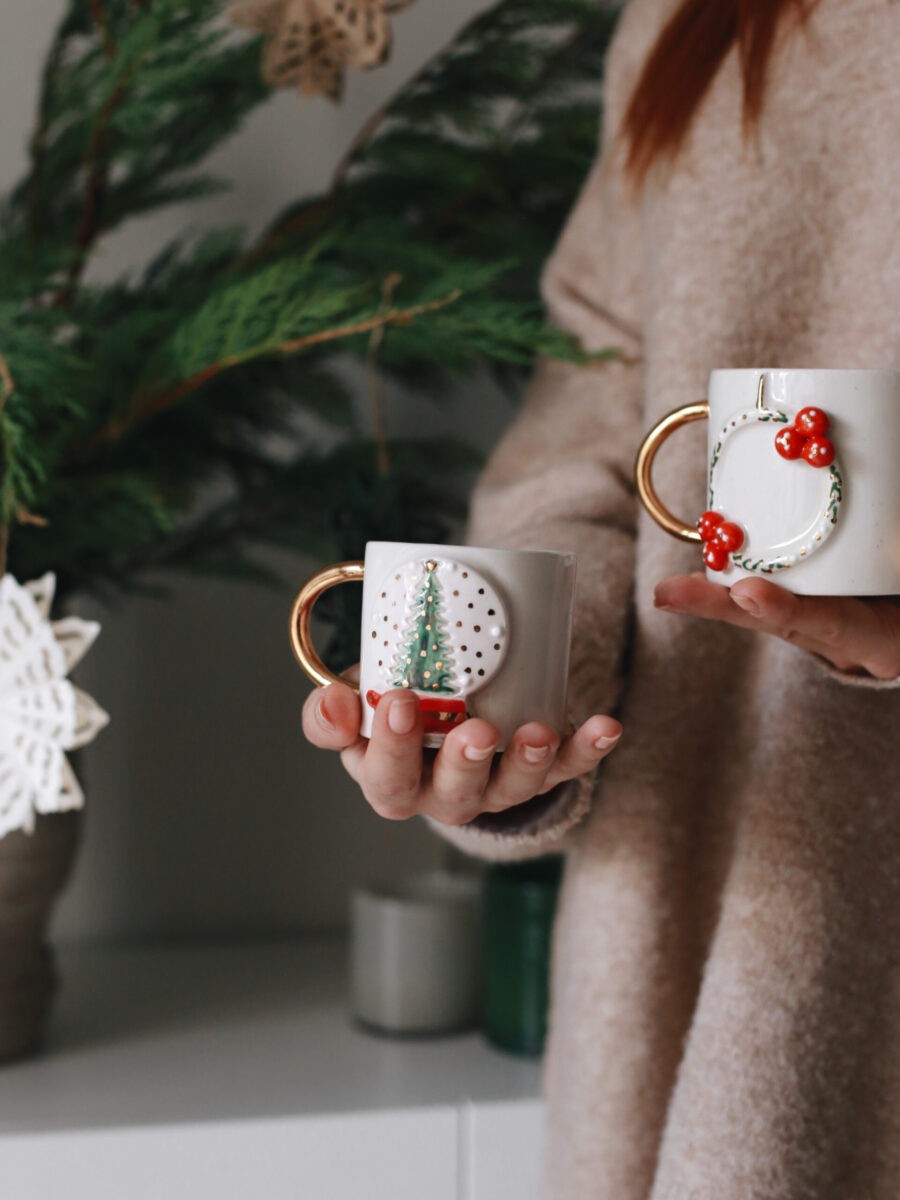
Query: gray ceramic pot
x: 33, y: 870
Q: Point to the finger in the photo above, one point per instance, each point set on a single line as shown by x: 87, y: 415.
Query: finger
x: 694, y: 595
x: 461, y: 772
x: 863, y: 632
x: 582, y: 750
x: 523, y: 767
x: 331, y: 716
x: 847, y: 631
x: 353, y: 759
x: 392, y: 770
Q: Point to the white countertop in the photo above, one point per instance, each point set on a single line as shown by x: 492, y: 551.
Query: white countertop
x: 165, y: 1035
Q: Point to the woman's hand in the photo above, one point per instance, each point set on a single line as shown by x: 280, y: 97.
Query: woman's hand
x: 463, y: 778
x: 860, y: 636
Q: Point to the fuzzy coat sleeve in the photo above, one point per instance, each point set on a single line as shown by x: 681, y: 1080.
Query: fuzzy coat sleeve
x: 561, y: 479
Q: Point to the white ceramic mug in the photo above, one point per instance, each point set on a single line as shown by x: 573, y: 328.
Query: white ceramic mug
x: 471, y: 631
x: 416, y: 953
x: 818, y: 512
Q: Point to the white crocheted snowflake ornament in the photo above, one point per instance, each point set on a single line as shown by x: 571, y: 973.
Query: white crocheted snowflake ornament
x: 42, y: 714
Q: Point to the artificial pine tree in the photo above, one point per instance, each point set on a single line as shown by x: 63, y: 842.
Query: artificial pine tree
x: 134, y: 416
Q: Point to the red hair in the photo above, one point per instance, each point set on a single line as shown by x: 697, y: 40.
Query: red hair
x: 685, y: 60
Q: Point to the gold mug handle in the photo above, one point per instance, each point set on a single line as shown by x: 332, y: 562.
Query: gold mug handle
x: 301, y: 610
x: 644, y: 467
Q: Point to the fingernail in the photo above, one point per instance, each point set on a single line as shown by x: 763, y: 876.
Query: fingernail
x: 478, y: 753
x: 606, y: 743
x: 747, y: 603
x: 535, y: 754
x: 664, y: 607
x: 323, y: 716
x: 402, y: 715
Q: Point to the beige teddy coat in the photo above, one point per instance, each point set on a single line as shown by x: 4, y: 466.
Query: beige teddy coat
x: 725, y: 1019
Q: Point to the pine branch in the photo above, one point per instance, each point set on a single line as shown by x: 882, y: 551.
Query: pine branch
x: 7, y: 491
x: 7, y: 386
x: 140, y: 405
x: 555, y: 63
x: 98, y: 15
x: 95, y: 170
x: 156, y: 405
x: 373, y: 381
x: 38, y: 143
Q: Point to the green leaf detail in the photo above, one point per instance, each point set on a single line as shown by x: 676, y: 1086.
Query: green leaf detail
x: 759, y: 565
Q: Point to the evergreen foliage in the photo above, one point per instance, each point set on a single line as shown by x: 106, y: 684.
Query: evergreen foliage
x: 177, y: 416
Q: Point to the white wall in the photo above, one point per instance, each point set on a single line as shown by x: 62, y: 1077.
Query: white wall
x: 207, y: 811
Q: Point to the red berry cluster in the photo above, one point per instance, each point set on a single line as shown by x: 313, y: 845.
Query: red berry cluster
x: 722, y: 539
x: 806, y: 438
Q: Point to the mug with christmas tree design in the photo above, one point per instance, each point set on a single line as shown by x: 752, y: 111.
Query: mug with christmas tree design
x: 472, y: 631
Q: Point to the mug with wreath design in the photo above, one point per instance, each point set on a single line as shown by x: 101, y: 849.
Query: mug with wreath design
x: 803, y: 479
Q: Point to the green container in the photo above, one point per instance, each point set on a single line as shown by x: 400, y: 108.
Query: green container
x: 520, y: 904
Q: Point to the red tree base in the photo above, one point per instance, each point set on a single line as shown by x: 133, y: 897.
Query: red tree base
x: 439, y: 713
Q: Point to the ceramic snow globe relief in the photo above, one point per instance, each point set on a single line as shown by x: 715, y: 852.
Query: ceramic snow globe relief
x: 471, y: 631
x: 440, y: 629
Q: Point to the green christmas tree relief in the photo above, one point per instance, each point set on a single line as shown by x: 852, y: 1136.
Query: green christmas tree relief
x: 426, y: 662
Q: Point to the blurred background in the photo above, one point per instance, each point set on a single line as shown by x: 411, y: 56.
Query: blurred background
x: 213, y: 1036
x: 207, y: 812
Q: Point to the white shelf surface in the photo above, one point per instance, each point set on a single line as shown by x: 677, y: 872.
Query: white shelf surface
x: 232, y: 1032
x: 223, y: 1070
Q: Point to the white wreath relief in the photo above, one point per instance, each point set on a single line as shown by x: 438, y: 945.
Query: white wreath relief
x: 806, y: 542
x: 42, y: 714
